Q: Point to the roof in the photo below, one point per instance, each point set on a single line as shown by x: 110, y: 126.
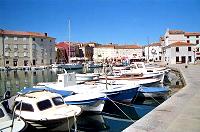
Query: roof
x: 176, y: 32
x: 177, y: 44
x: 21, y: 33
x: 128, y: 47
x: 155, y: 44
x: 36, y: 96
x: 65, y: 45
x: 105, y: 46
x: 119, y: 46
x: 192, y: 33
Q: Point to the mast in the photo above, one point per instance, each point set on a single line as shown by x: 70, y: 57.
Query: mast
x: 69, y: 28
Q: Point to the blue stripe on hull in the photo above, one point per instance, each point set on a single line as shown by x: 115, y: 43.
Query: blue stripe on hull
x: 123, y: 95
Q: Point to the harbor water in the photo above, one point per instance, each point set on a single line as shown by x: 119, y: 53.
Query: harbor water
x: 116, y: 116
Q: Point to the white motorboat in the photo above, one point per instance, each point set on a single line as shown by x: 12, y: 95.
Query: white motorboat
x: 87, y: 77
x: 128, y: 80
x: 71, y: 66
x: 87, y: 101
x: 9, y: 123
x: 116, y: 92
x: 46, y: 110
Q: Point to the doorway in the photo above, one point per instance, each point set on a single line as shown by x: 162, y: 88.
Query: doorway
x: 183, y: 59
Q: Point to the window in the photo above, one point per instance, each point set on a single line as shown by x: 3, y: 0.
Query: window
x: 50, y: 40
x: 25, y: 62
x: 45, y: 104
x: 7, y: 62
x: 189, y: 49
x: 6, y: 53
x: 42, y: 61
x: 15, y: 46
x: 188, y: 41
x: 1, y: 113
x: 197, y: 41
x: 177, y: 59
x: 34, y: 46
x: 197, y: 36
x: 15, y: 38
x: 6, y: 46
x: 188, y: 36
x: 33, y: 39
x: 58, y: 101
x: 24, y: 39
x: 25, y: 106
x: 177, y: 49
x: 25, y: 46
x: 41, y: 40
x: 189, y: 58
x: 16, y: 54
x: 25, y: 54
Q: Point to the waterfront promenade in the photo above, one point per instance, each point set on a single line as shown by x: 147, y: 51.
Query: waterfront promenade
x: 180, y: 113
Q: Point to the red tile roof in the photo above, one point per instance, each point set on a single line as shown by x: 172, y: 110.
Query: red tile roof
x: 20, y: 33
x: 155, y: 44
x: 177, y: 44
x: 176, y: 32
x: 119, y: 46
x: 192, y: 33
x: 128, y: 47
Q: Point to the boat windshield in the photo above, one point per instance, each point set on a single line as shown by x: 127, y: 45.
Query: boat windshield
x: 58, y: 101
x: 45, y: 104
x: 24, y: 106
x: 1, y: 113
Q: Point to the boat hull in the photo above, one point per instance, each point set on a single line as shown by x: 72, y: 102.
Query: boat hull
x: 123, y: 95
x: 53, y: 125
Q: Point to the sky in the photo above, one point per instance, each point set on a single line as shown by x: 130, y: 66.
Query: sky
x: 102, y: 21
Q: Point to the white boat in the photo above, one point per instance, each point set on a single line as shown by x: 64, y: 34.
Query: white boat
x: 116, y: 92
x: 66, y: 81
x: 9, y: 123
x: 46, y: 110
x: 87, y: 77
x: 87, y: 101
x: 92, y: 64
x: 126, y: 81
x: 71, y: 66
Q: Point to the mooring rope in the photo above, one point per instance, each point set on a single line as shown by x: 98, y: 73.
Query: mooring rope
x: 121, y: 110
x: 75, y: 123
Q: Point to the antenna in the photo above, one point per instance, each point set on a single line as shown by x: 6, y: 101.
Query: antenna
x: 69, y: 28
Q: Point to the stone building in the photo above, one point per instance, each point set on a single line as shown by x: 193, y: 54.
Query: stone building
x: 19, y: 49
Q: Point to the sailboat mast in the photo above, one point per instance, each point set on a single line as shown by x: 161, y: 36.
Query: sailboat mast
x: 69, y: 28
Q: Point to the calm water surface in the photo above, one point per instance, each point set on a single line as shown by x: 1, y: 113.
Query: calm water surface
x: 111, y: 119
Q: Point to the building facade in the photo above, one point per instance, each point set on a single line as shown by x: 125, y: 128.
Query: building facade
x: 178, y: 39
x: 180, y: 52
x: 153, y: 52
x: 112, y: 52
x: 20, y: 49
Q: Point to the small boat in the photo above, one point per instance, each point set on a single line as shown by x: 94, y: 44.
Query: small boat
x: 133, y: 81
x: 153, y: 92
x: 10, y: 122
x: 46, y: 110
x: 92, y: 64
x: 87, y: 101
x: 87, y: 77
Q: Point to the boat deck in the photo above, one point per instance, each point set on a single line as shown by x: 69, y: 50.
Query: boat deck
x: 181, y: 112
